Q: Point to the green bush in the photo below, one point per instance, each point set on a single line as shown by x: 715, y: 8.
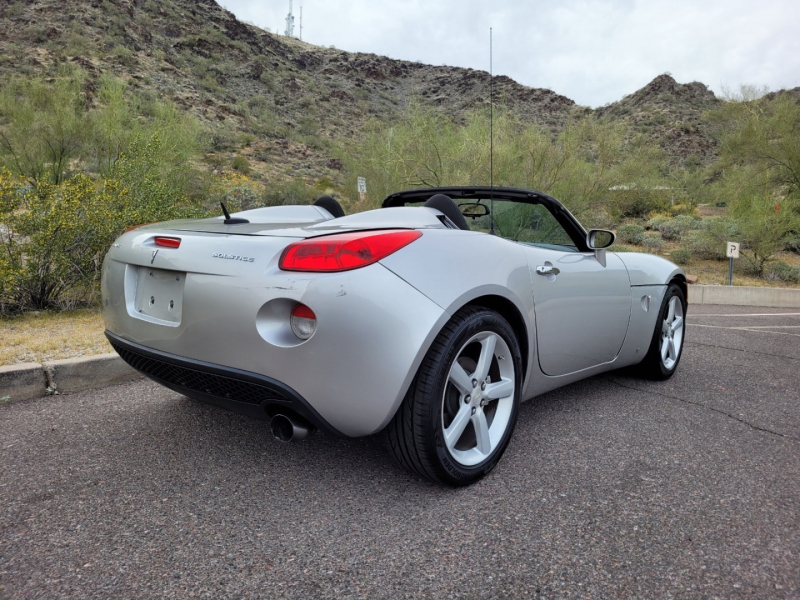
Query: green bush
x: 631, y: 233
x: 708, y: 243
x: 655, y: 222
x: 652, y: 243
x: 242, y: 165
x: 782, y: 271
x: 793, y: 244
x: 621, y: 248
x: 681, y: 256
x: 294, y: 191
x: 673, y: 229
x: 55, y: 235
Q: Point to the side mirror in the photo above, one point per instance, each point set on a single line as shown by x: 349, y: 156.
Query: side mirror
x: 597, y: 239
x: 473, y: 210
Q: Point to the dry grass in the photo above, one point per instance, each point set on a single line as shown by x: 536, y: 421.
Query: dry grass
x: 715, y: 272
x: 43, y: 336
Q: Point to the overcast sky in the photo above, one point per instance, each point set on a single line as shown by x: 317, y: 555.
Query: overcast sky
x: 593, y: 51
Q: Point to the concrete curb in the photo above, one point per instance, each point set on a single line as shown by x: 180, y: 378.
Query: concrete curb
x: 32, y: 380
x: 21, y: 382
x: 744, y: 296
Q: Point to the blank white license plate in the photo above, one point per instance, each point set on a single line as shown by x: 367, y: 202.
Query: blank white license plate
x: 159, y: 294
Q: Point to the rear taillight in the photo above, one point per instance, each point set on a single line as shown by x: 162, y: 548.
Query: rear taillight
x: 345, y: 251
x: 303, y: 321
x: 167, y: 242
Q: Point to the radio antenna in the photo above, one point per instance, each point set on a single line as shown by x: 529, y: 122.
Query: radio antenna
x: 491, y: 138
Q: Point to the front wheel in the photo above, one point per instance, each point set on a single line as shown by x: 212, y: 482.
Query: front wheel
x: 458, y: 416
x: 666, y: 347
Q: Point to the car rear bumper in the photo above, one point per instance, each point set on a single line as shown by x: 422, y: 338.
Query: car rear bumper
x: 239, y: 391
x: 373, y: 330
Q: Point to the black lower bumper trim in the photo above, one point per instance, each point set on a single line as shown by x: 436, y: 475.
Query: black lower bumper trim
x: 243, y: 392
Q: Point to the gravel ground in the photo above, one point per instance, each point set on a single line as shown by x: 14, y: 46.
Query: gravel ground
x: 612, y: 487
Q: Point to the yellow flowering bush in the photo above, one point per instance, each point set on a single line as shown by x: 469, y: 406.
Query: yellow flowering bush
x: 53, y: 237
x: 237, y: 191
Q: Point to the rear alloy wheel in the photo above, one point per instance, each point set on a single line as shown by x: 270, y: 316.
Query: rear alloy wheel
x: 666, y: 346
x: 459, y: 414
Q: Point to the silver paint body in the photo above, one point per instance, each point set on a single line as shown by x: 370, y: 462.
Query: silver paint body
x: 374, y: 324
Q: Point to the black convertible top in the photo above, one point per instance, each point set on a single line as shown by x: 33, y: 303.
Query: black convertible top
x: 485, y: 192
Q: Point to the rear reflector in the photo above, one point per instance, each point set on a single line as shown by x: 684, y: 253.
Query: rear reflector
x: 303, y: 321
x: 168, y: 242
x: 345, y: 251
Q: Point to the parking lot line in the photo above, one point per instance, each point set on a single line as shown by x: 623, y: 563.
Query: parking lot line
x: 750, y: 315
x: 757, y: 329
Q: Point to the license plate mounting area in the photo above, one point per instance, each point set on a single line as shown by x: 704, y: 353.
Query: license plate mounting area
x: 159, y: 295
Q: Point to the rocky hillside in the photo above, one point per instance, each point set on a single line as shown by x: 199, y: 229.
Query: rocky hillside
x: 283, y: 99
x: 671, y: 114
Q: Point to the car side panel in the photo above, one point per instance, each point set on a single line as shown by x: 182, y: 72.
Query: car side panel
x: 582, y: 313
x: 648, y: 269
x: 454, y: 267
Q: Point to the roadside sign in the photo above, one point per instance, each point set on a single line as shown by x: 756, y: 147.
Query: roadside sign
x: 362, y: 188
x: 731, y: 251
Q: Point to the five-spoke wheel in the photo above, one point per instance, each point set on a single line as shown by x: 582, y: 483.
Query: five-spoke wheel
x: 665, y: 349
x: 478, y: 399
x: 460, y: 412
x: 672, y: 333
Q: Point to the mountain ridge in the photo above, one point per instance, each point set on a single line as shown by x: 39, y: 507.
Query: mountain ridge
x: 292, y: 96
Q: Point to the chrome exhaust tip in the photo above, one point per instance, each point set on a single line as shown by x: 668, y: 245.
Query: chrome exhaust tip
x: 290, y: 429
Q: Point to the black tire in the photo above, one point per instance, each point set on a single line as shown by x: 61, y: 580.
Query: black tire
x: 416, y: 434
x: 654, y: 366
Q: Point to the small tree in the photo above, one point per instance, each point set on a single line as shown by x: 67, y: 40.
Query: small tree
x: 42, y: 126
x: 53, y: 237
x: 760, y: 171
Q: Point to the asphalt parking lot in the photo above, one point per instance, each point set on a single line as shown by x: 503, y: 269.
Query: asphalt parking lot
x: 612, y: 488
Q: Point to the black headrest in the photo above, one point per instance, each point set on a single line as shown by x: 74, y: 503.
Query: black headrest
x: 449, y: 208
x: 331, y: 205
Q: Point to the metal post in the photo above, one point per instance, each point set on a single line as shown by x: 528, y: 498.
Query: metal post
x: 730, y: 273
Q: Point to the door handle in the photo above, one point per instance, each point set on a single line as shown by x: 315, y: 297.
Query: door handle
x: 547, y: 270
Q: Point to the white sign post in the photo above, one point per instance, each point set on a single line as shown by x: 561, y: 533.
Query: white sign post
x: 362, y: 188
x: 732, y: 251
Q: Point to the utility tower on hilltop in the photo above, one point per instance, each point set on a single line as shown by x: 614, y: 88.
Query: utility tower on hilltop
x: 289, y: 22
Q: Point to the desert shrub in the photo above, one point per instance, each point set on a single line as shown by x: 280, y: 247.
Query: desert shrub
x: 630, y: 233
x: 652, y: 242
x: 621, y: 248
x: 782, y: 271
x: 598, y: 218
x: 793, y: 244
x: 236, y: 190
x: 241, y: 164
x: 673, y: 229
x: 122, y: 55
x: 54, y: 236
x: 294, y: 191
x: 681, y: 256
x: 654, y: 223
x: 587, y: 163
x: 708, y: 243
x: 635, y: 203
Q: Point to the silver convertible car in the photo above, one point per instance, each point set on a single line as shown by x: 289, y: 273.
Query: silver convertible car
x: 429, y: 319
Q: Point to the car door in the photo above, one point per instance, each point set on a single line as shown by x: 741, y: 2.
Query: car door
x: 582, y: 305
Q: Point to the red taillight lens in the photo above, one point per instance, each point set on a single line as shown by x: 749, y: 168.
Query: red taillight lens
x: 167, y: 242
x: 345, y: 251
x: 303, y: 321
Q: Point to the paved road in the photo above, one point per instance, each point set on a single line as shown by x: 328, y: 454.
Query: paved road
x: 612, y: 487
